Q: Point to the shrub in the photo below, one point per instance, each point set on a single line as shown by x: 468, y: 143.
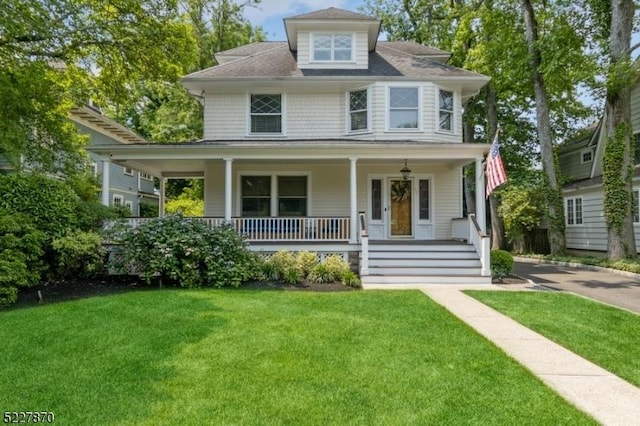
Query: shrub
x: 351, y: 279
x: 8, y: 295
x: 501, y: 263
x: 321, y: 274
x: 79, y: 254
x: 21, y: 249
x: 336, y: 265
x: 283, y: 260
x: 270, y: 271
x: 292, y: 276
x: 187, y: 252
x: 305, y: 261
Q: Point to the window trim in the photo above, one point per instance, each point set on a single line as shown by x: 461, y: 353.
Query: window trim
x: 572, y: 219
x: 439, y: 111
x: 274, y: 189
x: 388, y: 127
x: 349, y: 112
x: 582, y: 154
x: 128, y: 173
x: 312, y: 50
x: 283, y: 121
x: 118, y: 197
x: 145, y: 176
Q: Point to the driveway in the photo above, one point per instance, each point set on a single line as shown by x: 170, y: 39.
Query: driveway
x: 615, y: 289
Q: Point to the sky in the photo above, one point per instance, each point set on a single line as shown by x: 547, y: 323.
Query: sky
x: 269, y: 13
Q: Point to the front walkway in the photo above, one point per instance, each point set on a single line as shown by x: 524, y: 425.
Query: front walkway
x: 606, y: 397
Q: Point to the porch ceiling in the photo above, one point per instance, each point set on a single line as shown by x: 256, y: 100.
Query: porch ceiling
x: 189, y: 160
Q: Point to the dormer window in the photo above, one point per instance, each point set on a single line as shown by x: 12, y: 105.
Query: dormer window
x: 332, y: 47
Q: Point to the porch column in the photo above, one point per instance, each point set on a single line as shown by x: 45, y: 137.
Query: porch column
x: 163, y: 188
x: 227, y: 188
x: 353, y: 192
x: 106, y: 165
x: 480, y: 198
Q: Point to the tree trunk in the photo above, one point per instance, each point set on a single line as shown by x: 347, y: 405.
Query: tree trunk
x: 618, y: 152
x: 555, y: 210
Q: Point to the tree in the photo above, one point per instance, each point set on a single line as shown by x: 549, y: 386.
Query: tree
x: 618, y: 153
x: 55, y: 54
x: 555, y: 211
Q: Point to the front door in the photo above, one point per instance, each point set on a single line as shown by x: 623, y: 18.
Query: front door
x: 400, y: 194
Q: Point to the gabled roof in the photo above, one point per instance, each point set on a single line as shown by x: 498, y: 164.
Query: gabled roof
x: 333, y: 13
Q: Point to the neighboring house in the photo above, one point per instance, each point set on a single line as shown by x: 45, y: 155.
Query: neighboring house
x: 125, y: 187
x: 581, y: 169
x: 331, y: 139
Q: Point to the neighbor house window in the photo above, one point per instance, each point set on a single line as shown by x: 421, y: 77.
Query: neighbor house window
x: 146, y: 176
x: 358, y: 110
x: 587, y: 156
x: 92, y: 169
x: 292, y: 195
x: 636, y: 150
x: 403, y: 107
x: 376, y: 199
x: 332, y: 47
x: 636, y: 206
x: 423, y: 200
x: 445, y: 119
x: 256, y: 196
x: 574, y: 211
x: 266, y: 113
x: 118, y: 200
x: 129, y: 205
x: 128, y: 171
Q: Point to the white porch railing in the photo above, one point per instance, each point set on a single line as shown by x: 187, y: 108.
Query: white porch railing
x: 281, y: 228
x: 460, y: 228
x: 482, y: 243
x: 364, y: 244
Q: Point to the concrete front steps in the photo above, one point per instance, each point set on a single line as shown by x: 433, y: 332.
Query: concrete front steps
x: 427, y: 262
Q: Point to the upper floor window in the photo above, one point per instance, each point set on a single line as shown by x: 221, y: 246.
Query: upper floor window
x: 358, y: 110
x: 146, y: 176
x: 445, y: 119
x: 266, y: 113
x: 586, y: 156
x: 404, y: 108
x: 332, y: 47
x: 118, y: 200
x: 574, y: 211
x: 128, y: 171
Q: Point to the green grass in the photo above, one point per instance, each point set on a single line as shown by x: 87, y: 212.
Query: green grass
x: 250, y: 357
x: 607, y: 336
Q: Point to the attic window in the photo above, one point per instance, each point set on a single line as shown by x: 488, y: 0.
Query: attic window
x: 587, y: 156
x: 332, y: 47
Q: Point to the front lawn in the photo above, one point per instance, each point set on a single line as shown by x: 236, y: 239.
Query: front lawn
x: 263, y: 357
x: 607, y: 336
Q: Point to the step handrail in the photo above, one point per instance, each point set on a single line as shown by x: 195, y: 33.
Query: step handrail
x: 482, y: 244
x: 364, y: 244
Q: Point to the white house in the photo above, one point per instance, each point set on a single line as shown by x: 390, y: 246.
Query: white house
x: 336, y: 142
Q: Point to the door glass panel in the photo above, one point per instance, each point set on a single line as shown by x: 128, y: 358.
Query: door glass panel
x: 376, y: 199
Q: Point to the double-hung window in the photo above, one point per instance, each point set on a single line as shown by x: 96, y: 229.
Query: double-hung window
x: 332, y: 47
x: 118, y: 200
x: 445, y: 116
x: 358, y: 110
x: 574, y: 211
x: 266, y: 114
x: 404, y: 108
x: 288, y: 196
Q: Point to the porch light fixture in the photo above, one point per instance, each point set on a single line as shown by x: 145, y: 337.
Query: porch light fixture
x: 405, y: 171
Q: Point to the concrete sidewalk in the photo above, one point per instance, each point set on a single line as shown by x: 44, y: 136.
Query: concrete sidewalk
x: 606, y: 397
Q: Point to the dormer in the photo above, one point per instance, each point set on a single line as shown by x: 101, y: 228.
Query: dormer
x: 332, y: 39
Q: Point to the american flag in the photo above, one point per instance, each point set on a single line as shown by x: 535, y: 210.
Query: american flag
x: 495, y: 173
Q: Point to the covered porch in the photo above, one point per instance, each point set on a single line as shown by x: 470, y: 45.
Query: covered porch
x: 299, y: 194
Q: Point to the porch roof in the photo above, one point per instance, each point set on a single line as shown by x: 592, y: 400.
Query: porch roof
x: 190, y: 159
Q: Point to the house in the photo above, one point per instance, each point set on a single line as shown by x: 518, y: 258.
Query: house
x: 580, y: 164
x: 336, y: 142
x: 126, y: 187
